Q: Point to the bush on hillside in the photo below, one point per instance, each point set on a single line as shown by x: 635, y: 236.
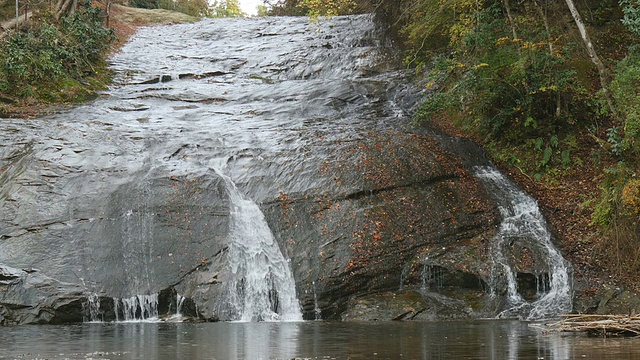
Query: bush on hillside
x: 34, y: 63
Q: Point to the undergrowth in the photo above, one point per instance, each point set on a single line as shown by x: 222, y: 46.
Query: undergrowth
x: 514, y: 78
x: 56, y: 61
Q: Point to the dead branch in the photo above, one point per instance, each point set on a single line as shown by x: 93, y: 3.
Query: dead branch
x: 598, y: 325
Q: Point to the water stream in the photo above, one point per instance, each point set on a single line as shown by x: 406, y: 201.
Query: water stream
x: 523, y: 223
x: 262, y: 287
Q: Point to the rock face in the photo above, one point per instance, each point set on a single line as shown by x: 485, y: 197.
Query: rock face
x: 123, y: 198
x: 417, y: 207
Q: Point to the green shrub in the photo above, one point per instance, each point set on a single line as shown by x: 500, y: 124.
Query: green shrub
x: 620, y: 196
x: 631, y: 19
x: 33, y: 63
x: 144, y: 4
x: 626, y: 92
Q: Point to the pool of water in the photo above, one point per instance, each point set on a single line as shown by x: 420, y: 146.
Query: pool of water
x: 307, y: 340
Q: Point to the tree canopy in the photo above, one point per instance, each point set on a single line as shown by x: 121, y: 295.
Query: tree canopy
x: 225, y: 8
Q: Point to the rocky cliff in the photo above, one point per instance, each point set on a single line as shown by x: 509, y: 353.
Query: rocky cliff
x: 126, y: 200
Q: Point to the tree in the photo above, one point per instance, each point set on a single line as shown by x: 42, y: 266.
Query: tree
x: 602, y: 72
x: 328, y: 7
x: 226, y: 8
x: 263, y: 10
x: 65, y: 8
x: 316, y: 8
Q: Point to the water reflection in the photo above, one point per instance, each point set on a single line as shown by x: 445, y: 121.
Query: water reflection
x: 497, y: 340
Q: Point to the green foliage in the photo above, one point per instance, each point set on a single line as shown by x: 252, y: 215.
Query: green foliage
x: 225, y: 8
x: 433, y: 106
x: 614, y: 138
x: 144, y: 4
x: 286, y: 8
x: 620, y: 197
x: 518, y: 87
x: 195, y: 8
x: 631, y: 19
x: 625, y: 89
x: 316, y: 8
x: 521, y: 95
x: 612, y: 204
x: 432, y: 27
x: 53, y: 53
x: 263, y: 10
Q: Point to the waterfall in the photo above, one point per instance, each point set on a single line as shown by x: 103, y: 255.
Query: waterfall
x: 92, y: 308
x: 262, y: 287
x: 136, y: 308
x: 132, y: 309
x: 316, y: 307
x: 179, y: 304
x: 523, y: 222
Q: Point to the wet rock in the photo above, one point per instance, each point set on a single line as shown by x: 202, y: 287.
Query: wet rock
x: 107, y: 204
x: 130, y: 107
x: 416, y: 207
x: 203, y: 75
x: 608, y: 301
x: 406, y: 306
x: 386, y: 306
x: 31, y: 297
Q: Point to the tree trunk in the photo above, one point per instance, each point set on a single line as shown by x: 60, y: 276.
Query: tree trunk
x: 510, y: 17
x: 602, y: 71
x: 65, y: 8
x: 57, y: 8
x: 15, y: 23
x: 543, y: 14
x: 108, y: 13
x: 542, y: 11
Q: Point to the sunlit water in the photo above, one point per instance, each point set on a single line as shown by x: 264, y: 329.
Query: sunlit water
x: 307, y: 340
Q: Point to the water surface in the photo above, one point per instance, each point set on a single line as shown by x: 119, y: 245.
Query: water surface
x: 307, y: 340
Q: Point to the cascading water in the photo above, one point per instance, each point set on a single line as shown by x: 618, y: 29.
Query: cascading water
x: 136, y: 308
x: 92, y: 308
x: 523, y: 222
x: 262, y: 287
x: 317, y: 312
x: 123, y: 188
x: 179, y: 304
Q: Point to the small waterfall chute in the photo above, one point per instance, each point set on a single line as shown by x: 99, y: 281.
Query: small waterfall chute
x: 522, y: 221
x: 137, y: 308
x: 92, y: 309
x: 179, y: 304
x: 262, y: 287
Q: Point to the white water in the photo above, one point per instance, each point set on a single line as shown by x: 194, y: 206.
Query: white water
x: 93, y: 311
x: 179, y: 304
x: 262, y: 287
x: 316, y: 307
x: 522, y: 221
x: 136, y: 308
